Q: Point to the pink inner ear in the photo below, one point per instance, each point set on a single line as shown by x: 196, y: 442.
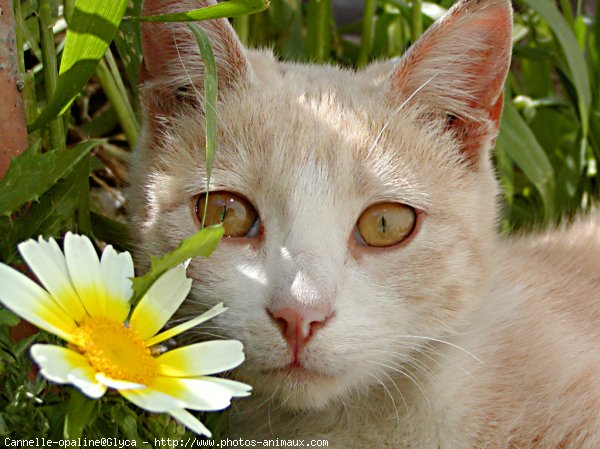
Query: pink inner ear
x: 473, y: 134
x: 159, y: 39
x: 492, y: 66
x: 458, y: 68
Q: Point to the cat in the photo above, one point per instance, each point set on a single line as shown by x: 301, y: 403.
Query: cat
x: 377, y: 304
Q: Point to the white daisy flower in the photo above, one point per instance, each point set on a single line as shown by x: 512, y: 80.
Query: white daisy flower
x: 86, y: 302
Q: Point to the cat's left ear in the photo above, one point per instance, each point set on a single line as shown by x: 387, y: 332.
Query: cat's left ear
x: 458, y: 68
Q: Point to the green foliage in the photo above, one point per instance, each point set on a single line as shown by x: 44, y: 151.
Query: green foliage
x: 93, y: 27
x: 203, y: 243
x: 32, y: 174
x: 231, y: 8
x: 547, y: 154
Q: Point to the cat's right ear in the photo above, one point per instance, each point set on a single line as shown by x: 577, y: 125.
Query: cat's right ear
x: 172, y: 72
x: 457, y: 69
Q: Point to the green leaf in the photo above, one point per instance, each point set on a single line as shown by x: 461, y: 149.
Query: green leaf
x: 49, y: 217
x: 7, y: 318
x: 203, y: 243
x: 210, y: 102
x: 91, y: 30
x: 79, y: 414
x: 127, y: 421
x: 232, y: 8
x: 521, y: 145
x: 578, y: 71
x: 32, y: 174
x: 23, y: 345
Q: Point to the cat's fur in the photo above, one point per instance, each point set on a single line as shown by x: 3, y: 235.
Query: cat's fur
x: 458, y: 339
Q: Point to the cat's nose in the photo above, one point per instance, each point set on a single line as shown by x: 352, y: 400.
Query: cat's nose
x: 298, y: 325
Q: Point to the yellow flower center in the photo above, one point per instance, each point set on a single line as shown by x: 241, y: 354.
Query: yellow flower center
x: 116, y: 351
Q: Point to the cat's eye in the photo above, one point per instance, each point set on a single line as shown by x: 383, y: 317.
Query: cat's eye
x: 386, y: 224
x: 237, y: 214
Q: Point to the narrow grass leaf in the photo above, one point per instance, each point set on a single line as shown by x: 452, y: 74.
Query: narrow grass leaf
x: 203, y: 243
x: 232, y: 8
x: 32, y: 174
x: 210, y: 102
x: 578, y: 71
x: 129, y: 45
x: 92, y: 28
x: 518, y: 142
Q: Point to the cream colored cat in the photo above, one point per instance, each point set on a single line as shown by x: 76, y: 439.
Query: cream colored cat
x: 377, y: 305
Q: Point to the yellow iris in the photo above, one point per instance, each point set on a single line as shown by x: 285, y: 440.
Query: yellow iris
x: 86, y: 303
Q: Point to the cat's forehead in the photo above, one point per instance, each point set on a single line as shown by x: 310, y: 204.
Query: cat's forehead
x: 319, y: 132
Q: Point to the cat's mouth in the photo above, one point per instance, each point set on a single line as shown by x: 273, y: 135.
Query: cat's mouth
x: 297, y: 371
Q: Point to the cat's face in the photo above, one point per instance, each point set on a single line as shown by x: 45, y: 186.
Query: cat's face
x: 311, y: 149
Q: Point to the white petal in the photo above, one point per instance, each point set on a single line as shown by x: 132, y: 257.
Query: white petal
x: 31, y: 302
x: 160, y: 302
x: 236, y: 389
x: 84, y: 379
x: 118, y: 384
x: 47, y: 262
x: 117, y: 271
x: 190, y: 421
x: 64, y: 366
x: 200, y: 359
x: 152, y: 400
x: 180, y: 328
x: 86, y: 275
x: 196, y: 394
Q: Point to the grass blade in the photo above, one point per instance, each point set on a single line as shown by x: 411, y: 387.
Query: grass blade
x: 518, y: 142
x: 367, y: 33
x: 92, y: 28
x: 578, y: 71
x: 210, y: 102
x: 232, y: 8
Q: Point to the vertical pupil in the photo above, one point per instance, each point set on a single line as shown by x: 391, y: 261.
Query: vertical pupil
x: 383, y: 224
x: 223, y: 213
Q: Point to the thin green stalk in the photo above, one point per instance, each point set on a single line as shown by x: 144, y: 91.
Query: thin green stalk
x: 417, y: 20
x: 20, y: 24
x: 321, y: 29
x: 122, y: 108
x: 367, y: 33
x: 242, y: 27
x: 114, y: 69
x: 57, y: 129
x: 30, y: 103
x: 565, y: 5
x: 597, y: 40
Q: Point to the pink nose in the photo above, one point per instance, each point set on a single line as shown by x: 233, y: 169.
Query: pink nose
x: 298, y: 325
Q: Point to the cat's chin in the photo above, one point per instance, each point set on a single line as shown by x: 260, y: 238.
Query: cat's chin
x: 300, y: 389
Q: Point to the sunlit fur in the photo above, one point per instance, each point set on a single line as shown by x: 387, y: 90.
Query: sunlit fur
x: 457, y: 339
